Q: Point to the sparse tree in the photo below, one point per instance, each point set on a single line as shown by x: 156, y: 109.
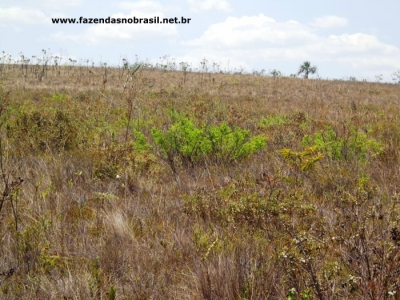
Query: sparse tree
x: 379, y: 78
x: 307, y: 69
x: 396, y: 77
x: 275, y: 73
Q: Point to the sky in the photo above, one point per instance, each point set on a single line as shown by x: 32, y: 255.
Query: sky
x: 343, y: 38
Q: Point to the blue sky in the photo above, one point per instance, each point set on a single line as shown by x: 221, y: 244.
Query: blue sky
x: 342, y: 38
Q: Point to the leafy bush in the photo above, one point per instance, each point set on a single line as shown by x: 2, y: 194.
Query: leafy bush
x: 326, y: 141
x: 51, y: 130
x: 273, y: 121
x: 192, y: 144
x: 182, y: 139
x: 112, y: 160
x: 356, y: 145
x: 304, y: 160
x: 231, y: 144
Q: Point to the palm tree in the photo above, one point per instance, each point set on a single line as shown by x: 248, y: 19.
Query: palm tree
x: 307, y: 69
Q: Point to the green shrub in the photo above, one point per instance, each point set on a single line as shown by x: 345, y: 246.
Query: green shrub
x: 231, y: 144
x: 326, y: 141
x: 359, y: 145
x: 182, y: 139
x: 356, y: 145
x: 193, y: 145
x: 273, y: 121
x: 140, y: 143
x: 304, y: 160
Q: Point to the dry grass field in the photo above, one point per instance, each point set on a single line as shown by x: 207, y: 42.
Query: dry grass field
x: 149, y: 183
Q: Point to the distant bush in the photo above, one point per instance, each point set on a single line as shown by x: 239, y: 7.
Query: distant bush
x: 275, y: 73
x: 270, y: 121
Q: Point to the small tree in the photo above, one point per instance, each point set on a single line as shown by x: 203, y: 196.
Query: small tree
x: 275, y: 73
x: 307, y: 69
x: 396, y: 77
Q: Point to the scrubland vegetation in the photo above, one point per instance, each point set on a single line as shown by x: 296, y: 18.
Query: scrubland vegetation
x: 148, y: 183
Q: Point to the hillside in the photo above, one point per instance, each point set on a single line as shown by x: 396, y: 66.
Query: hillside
x: 145, y: 183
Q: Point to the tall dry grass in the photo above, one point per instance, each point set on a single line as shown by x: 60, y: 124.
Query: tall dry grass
x: 100, y: 214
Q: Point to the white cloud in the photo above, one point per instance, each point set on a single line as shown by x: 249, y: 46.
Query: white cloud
x: 253, y: 32
x: 43, y: 4
x: 104, y: 33
x: 22, y: 16
x: 61, y: 3
x: 329, y: 22
x: 260, y: 40
x: 142, y: 6
x: 58, y: 3
x: 357, y: 43
x: 197, y: 5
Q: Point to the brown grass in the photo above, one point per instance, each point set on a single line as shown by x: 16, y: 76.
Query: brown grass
x: 96, y: 215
